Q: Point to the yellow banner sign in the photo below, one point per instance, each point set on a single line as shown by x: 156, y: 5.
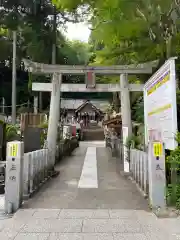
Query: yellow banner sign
x: 157, y: 149
x: 13, y: 150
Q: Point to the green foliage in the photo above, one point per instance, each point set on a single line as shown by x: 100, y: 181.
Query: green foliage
x: 133, y: 31
x: 109, y: 110
x: 130, y: 31
x: 173, y: 165
x: 138, y: 110
x: 22, y: 109
x: 36, y: 33
x: 133, y: 141
x: 125, y: 32
x: 44, y: 125
x: 44, y: 128
x: 169, y: 193
x: 12, y: 133
x: 82, y: 51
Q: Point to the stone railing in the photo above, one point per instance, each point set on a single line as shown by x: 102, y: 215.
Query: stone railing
x: 37, y: 170
x: 139, y: 169
x: 116, y: 146
x: 38, y: 165
x: 138, y: 162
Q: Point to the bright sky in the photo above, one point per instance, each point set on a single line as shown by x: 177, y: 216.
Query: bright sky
x: 78, y: 31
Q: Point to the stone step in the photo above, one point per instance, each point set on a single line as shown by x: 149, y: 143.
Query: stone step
x: 93, y: 135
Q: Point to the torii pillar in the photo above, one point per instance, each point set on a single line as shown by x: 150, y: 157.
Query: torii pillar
x: 126, y: 116
x: 54, y: 115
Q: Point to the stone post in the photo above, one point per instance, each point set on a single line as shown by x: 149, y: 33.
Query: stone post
x: 36, y: 104
x: 54, y: 115
x: 126, y: 115
x: 14, y: 176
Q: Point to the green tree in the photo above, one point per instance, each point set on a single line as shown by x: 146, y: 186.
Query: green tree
x: 35, y: 37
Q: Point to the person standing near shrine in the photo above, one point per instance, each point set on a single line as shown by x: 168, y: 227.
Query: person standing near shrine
x: 85, y: 119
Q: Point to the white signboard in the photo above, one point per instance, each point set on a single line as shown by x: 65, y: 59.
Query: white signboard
x: 160, y: 109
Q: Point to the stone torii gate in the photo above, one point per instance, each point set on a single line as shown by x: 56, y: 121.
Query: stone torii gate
x: 56, y: 87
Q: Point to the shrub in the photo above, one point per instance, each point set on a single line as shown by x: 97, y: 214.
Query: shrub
x: 44, y: 128
x: 133, y: 141
x: 12, y: 133
x: 173, y: 169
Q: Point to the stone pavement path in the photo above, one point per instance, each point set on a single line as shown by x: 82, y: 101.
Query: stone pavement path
x: 88, y: 224
x: 113, y: 190
x: 108, y: 207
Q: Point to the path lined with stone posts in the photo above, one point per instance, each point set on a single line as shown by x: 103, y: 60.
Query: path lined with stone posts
x: 89, y: 200
x: 89, y: 179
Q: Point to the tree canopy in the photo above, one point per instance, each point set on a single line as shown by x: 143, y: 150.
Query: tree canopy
x: 131, y: 31
x: 123, y: 32
x: 38, y: 27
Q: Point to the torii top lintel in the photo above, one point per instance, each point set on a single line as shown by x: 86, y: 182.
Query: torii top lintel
x: 144, y: 68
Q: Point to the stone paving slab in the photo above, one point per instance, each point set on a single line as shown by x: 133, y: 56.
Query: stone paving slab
x: 173, y: 225
x: 111, y: 226
x: 81, y: 236
x: 132, y: 214
x: 86, y: 224
x: 26, y: 214
x: 53, y: 225
x: 4, y: 235
x: 33, y: 236
x: 46, y: 213
x: 84, y: 213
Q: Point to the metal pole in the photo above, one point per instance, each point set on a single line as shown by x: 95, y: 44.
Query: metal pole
x: 35, y: 104
x: 14, y: 78
x: 54, y: 53
x: 40, y: 102
x: 3, y: 105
